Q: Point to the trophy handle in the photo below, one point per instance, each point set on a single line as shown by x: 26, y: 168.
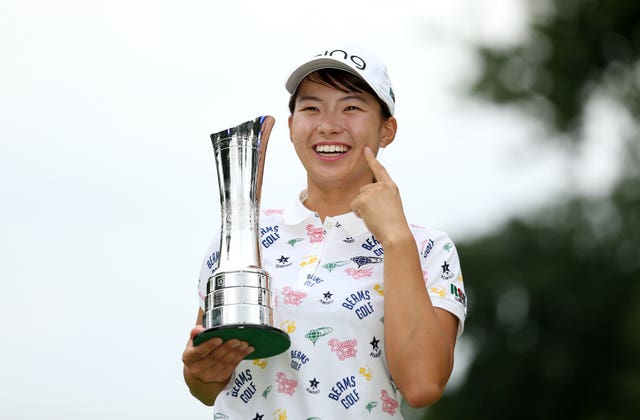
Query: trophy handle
x: 266, y: 125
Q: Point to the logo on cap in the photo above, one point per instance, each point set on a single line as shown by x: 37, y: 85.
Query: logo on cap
x: 357, y: 61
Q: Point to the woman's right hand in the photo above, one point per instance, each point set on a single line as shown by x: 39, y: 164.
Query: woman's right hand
x: 209, y: 366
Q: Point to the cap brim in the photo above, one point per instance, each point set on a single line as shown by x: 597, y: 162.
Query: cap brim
x: 296, y: 77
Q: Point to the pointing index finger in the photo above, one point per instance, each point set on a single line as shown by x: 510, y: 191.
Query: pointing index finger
x: 379, y: 171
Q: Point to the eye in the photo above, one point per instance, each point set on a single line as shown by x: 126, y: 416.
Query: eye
x: 308, y: 108
x: 352, y: 108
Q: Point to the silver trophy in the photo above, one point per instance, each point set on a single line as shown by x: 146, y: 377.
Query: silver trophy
x: 238, y: 301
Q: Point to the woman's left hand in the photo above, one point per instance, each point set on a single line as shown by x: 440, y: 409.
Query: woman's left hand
x: 379, y: 204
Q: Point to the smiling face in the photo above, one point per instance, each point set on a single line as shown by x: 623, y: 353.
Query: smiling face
x: 330, y: 128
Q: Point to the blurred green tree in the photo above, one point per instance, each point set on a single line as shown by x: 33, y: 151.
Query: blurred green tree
x: 575, y: 49
x: 555, y: 296
x: 555, y: 319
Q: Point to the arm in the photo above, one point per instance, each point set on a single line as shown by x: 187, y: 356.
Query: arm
x: 209, y: 366
x: 419, y: 339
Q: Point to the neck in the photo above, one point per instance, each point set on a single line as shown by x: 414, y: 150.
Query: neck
x: 329, y: 202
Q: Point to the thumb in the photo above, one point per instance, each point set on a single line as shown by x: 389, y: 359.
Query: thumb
x: 195, y: 331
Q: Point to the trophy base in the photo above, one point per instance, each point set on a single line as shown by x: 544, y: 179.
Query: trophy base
x: 266, y: 340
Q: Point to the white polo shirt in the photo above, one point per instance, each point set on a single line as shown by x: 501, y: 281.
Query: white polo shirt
x: 327, y: 281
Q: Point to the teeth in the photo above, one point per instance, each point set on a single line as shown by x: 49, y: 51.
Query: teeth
x: 331, y: 148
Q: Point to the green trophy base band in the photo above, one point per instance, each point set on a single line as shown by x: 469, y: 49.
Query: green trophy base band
x: 267, y: 341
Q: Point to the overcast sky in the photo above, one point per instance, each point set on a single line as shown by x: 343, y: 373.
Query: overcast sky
x: 109, y: 195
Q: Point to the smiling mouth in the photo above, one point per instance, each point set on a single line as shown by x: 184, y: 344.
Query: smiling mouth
x: 332, y: 149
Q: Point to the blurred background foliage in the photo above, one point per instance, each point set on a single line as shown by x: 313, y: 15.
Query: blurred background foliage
x: 554, y: 316
x: 576, y: 49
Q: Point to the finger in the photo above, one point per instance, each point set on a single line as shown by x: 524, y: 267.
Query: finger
x: 194, y: 353
x: 234, y: 352
x: 195, y: 331
x: 231, y: 363
x: 379, y: 171
x: 219, y: 364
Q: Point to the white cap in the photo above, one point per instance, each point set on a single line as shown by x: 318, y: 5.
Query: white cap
x: 355, y: 60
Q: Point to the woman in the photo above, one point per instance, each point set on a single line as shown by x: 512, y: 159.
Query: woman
x: 372, y: 304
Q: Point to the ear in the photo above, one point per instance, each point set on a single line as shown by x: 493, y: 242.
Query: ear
x: 289, y: 123
x: 388, y: 131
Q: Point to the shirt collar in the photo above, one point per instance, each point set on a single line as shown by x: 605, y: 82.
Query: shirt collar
x: 354, y: 225
x: 297, y: 213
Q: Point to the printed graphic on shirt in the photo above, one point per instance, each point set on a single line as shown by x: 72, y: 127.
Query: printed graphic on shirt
x: 312, y: 280
x: 288, y: 325
x: 371, y: 405
x: 212, y: 261
x: 373, y: 245
x: 298, y: 359
x: 269, y: 235
x: 458, y: 294
x: 365, y: 372
x: 294, y: 241
x: 258, y: 417
x: 363, y: 260
x: 292, y: 297
x: 317, y: 333
x: 438, y: 291
x: 345, y: 392
x: 425, y: 247
x: 261, y: 363
x: 344, y: 349
x: 313, y: 386
x: 446, y: 273
x: 448, y: 246
x: 283, y: 262
x: 389, y: 405
x: 266, y: 392
x: 359, y: 274
x: 308, y: 260
x: 286, y: 385
x: 271, y: 212
x: 379, y: 289
x: 333, y: 265
x: 326, y: 298
x: 314, y: 234
x: 360, y: 303
x: 281, y: 414
x: 376, y: 351
x: 243, y: 386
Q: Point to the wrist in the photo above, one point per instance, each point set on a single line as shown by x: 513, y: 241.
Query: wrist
x: 398, y: 238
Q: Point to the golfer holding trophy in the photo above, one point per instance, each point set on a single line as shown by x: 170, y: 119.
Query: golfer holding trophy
x: 368, y: 305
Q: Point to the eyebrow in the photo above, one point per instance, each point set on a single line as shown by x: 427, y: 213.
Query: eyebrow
x: 348, y: 97
x: 308, y: 98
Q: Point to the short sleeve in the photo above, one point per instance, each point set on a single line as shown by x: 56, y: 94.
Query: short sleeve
x: 443, y: 274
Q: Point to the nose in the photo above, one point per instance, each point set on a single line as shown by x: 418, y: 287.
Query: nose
x: 329, y: 124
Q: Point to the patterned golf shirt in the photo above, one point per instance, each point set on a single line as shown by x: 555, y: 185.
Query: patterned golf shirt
x: 328, y: 287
